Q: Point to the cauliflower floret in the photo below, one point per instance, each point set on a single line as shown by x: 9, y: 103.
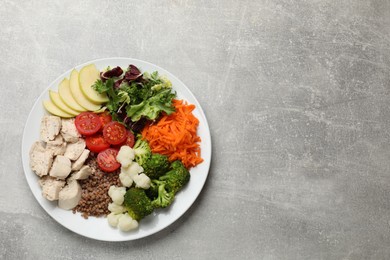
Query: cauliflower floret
x: 127, y: 223
x: 125, y: 156
x: 142, y: 181
x: 113, y: 219
x: 133, y: 169
x: 115, y: 208
x: 130, y: 174
x: 117, y: 194
x: 125, y: 179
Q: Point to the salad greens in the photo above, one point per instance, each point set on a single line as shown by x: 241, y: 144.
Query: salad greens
x: 152, y: 106
x: 134, y: 96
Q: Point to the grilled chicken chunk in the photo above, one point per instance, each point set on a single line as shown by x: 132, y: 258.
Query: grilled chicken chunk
x: 81, y: 174
x: 81, y: 160
x: 69, y: 131
x: 74, y: 150
x: 61, y: 167
x: 70, y: 195
x: 50, y: 128
x: 51, y: 187
x: 41, y: 159
x: 57, y: 146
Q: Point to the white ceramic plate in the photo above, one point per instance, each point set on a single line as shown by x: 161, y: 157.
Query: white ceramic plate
x: 98, y: 228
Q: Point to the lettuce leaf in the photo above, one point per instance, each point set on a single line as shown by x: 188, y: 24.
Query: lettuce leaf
x: 153, y: 106
x: 145, y: 98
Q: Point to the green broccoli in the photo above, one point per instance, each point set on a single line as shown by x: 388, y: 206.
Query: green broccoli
x: 163, y: 198
x: 142, y: 150
x: 137, y: 204
x: 162, y: 191
x: 176, y: 178
x: 156, y: 166
x: 152, y: 192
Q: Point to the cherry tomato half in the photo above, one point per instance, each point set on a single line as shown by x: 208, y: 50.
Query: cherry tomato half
x: 130, y: 140
x: 115, y: 133
x: 96, y: 143
x: 87, y: 123
x: 105, y: 118
x: 107, y: 160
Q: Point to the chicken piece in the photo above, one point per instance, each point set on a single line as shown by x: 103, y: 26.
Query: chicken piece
x: 61, y: 167
x: 56, y: 141
x: 57, y: 146
x: 80, y: 161
x: 57, y: 149
x: 70, y: 195
x: 50, y: 128
x: 69, y: 131
x: 74, y: 150
x: 41, y: 159
x: 51, y: 187
x: 82, y: 174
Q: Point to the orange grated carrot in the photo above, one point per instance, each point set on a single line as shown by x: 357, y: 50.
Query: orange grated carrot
x: 175, y: 135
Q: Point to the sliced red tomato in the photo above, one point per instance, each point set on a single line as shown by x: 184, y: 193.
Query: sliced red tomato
x: 105, y: 118
x: 96, y: 143
x: 130, y: 140
x: 107, y: 160
x: 87, y: 123
x: 115, y: 133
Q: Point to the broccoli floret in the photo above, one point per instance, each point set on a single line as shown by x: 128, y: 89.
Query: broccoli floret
x: 156, y: 166
x: 142, y: 150
x: 162, y: 191
x: 176, y: 178
x: 164, y: 198
x: 137, y: 204
x: 152, y: 192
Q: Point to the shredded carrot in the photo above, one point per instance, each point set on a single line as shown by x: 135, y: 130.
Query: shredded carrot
x: 175, y: 135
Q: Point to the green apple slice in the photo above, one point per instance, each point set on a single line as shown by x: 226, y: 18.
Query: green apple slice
x: 66, y: 96
x: 78, y: 94
x: 53, y: 109
x: 55, y: 98
x: 87, y: 77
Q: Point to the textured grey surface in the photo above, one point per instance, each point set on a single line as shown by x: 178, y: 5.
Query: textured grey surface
x: 297, y: 98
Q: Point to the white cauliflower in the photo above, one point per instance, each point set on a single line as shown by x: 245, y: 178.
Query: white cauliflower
x: 131, y: 172
x: 133, y: 169
x: 122, y: 220
x: 125, y: 179
x: 115, y: 208
x: 125, y: 156
x: 142, y: 181
x: 127, y: 223
x: 113, y: 219
x: 117, y: 194
x: 134, y: 173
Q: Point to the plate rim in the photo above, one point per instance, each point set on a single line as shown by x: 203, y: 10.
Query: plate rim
x: 27, y: 169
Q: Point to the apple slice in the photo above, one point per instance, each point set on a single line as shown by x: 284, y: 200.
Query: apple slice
x: 87, y: 77
x: 78, y: 94
x: 66, y: 96
x: 53, y: 109
x: 55, y: 98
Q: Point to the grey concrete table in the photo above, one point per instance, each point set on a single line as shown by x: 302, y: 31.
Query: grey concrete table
x: 297, y: 98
